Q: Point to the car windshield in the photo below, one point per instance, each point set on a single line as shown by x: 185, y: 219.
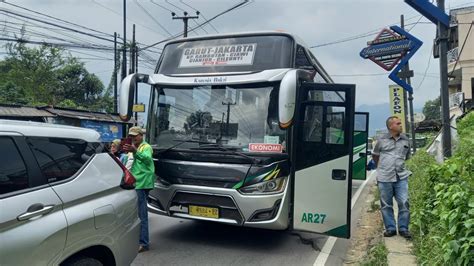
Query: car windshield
x: 231, y: 116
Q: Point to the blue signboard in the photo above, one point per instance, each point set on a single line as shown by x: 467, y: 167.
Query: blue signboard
x: 416, y: 45
x: 108, y: 131
x: 430, y: 11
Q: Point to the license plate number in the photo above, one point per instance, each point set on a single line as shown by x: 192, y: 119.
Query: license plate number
x: 204, y: 211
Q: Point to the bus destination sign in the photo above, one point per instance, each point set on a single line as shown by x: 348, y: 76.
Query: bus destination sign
x: 222, y: 55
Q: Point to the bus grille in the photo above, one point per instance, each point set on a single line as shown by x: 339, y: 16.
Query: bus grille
x: 226, y: 205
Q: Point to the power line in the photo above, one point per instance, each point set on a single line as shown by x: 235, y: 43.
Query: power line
x: 200, y: 25
x: 51, y: 37
x: 117, y: 13
x: 173, y: 13
x: 169, y: 3
x: 53, y: 24
x: 150, y: 16
x: 427, y: 67
x: 65, y: 21
x: 415, y: 23
x: 65, y: 45
x: 26, y: 22
x: 165, y: 8
x: 462, y: 48
x: 210, y: 24
x: 355, y: 37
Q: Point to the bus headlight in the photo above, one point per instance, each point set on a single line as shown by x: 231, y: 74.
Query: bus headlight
x: 276, y: 185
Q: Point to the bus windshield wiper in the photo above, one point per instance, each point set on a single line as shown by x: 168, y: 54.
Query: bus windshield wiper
x: 183, y: 141
x: 217, y: 146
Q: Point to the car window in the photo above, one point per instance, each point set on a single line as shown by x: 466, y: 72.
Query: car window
x: 60, y: 158
x: 13, y: 173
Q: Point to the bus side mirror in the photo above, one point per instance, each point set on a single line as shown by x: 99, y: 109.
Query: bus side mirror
x: 127, y: 94
x: 287, y: 99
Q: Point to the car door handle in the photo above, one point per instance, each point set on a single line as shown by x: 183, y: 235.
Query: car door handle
x: 34, y: 211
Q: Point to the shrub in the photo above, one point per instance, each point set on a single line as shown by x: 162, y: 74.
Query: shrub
x: 442, y: 203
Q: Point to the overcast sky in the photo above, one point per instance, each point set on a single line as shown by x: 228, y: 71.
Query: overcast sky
x: 316, y: 22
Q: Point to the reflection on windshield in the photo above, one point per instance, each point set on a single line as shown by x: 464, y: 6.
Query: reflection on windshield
x: 228, y: 115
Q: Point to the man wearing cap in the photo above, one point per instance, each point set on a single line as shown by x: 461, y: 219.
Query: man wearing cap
x: 143, y: 169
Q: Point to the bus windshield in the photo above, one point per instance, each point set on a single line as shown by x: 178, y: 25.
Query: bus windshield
x: 233, y: 116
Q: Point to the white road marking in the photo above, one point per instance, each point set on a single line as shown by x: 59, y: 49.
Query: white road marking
x: 326, y: 250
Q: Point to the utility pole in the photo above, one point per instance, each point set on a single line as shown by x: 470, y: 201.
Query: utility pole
x: 124, y: 59
x: 406, y: 74
x: 115, y: 72
x: 132, y: 53
x: 444, y: 93
x: 133, y: 69
x: 185, y: 19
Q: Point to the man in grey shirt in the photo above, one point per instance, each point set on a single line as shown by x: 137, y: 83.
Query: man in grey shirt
x: 389, y: 154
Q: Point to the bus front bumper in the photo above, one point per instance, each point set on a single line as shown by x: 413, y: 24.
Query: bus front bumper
x: 260, y: 211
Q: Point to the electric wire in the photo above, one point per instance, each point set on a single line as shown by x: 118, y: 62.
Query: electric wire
x: 121, y: 15
x: 53, y: 24
x: 426, y: 69
x: 55, y: 18
x: 200, y: 24
x: 153, y: 18
x: 200, y: 13
x: 462, y: 49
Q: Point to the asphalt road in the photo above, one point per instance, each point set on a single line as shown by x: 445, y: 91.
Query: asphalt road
x: 188, y: 242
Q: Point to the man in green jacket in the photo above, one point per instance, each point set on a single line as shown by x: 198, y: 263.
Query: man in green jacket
x: 143, y: 169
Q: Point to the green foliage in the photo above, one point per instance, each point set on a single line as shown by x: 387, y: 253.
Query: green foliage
x: 432, y: 110
x: 377, y: 256
x: 9, y: 93
x: 45, y: 76
x: 442, y: 203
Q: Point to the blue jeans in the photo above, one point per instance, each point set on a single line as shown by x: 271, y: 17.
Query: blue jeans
x: 399, y: 190
x: 143, y: 215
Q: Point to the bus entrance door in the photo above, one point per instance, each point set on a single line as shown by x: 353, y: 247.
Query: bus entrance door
x: 361, y: 138
x: 322, y: 159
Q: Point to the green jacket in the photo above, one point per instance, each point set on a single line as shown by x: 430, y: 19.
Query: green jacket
x: 143, y: 168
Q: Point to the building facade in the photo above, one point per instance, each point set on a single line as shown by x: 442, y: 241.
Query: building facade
x: 461, y: 56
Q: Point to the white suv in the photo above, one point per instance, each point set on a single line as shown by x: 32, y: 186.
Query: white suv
x: 60, y: 198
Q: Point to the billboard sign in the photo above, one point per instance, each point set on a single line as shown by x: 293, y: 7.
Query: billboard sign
x: 386, y: 49
x: 392, y: 47
x: 108, y: 131
x: 397, y: 107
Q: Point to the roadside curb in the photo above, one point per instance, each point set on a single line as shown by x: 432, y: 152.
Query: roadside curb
x: 399, y: 249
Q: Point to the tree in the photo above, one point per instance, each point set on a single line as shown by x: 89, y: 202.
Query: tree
x: 46, y: 75
x: 10, y: 94
x: 432, y: 109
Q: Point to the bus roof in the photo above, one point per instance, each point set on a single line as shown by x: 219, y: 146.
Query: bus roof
x: 240, y: 34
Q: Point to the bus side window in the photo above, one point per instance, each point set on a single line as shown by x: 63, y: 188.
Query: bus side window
x: 303, y: 62
x: 335, y: 125
x: 312, y: 123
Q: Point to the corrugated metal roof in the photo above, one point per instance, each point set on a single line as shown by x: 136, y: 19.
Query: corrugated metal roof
x: 23, y: 111
x: 85, y: 115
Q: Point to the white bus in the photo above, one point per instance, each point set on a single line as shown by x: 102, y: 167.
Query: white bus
x: 248, y: 129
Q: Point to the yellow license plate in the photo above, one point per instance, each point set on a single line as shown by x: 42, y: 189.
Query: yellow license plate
x: 204, y: 211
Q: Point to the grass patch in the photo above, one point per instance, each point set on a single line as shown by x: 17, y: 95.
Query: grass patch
x: 377, y: 256
x: 375, y: 204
